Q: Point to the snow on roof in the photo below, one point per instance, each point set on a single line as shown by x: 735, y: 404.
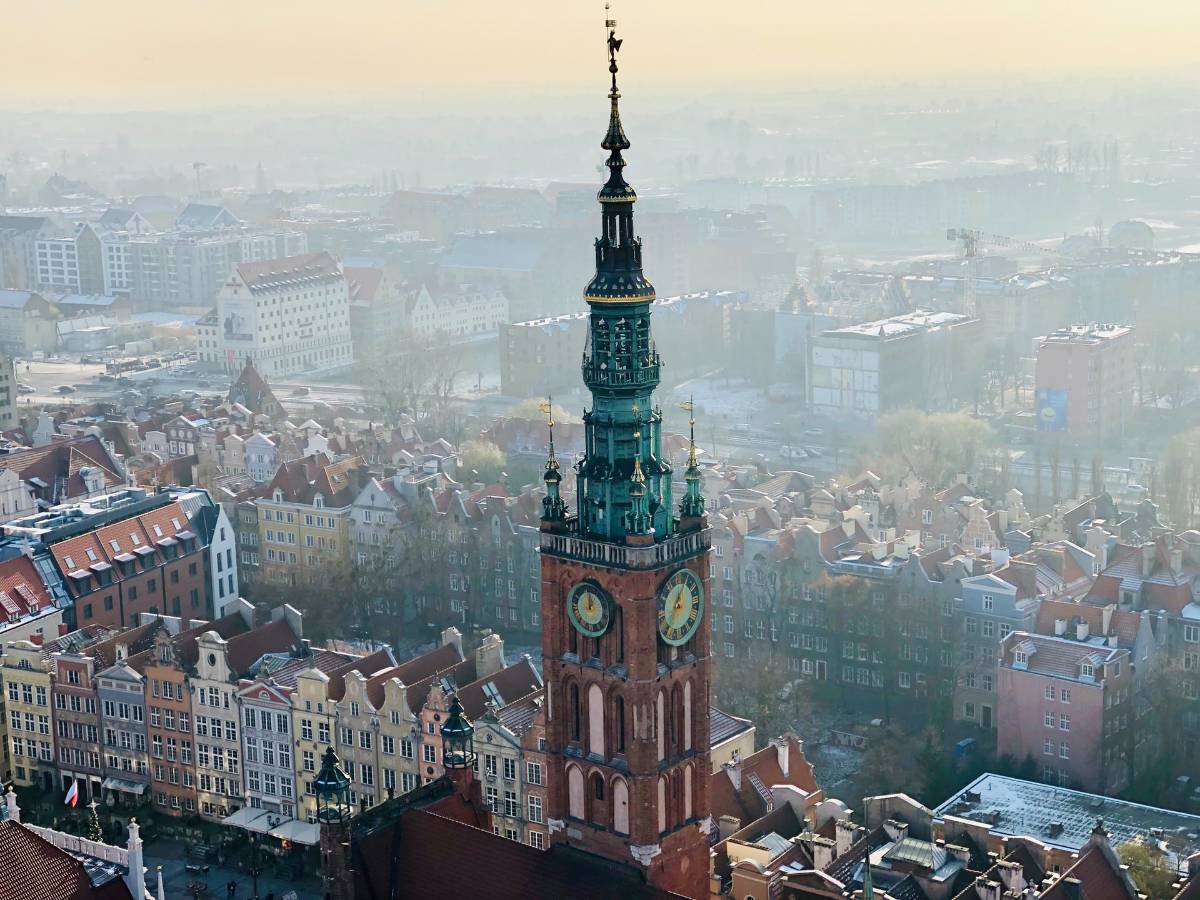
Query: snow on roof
x: 1065, y: 818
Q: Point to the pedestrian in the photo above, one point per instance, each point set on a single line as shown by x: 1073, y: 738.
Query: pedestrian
x: 231, y: 888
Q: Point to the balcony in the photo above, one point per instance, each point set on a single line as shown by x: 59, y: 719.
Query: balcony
x: 674, y: 549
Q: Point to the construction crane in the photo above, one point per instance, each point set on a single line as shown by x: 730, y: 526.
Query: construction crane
x: 972, y: 239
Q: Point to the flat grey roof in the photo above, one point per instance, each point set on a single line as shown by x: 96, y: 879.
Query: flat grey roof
x: 1016, y: 807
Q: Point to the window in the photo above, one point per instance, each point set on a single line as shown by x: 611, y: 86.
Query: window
x: 510, y: 769
x: 1064, y: 722
x: 1048, y: 719
x: 989, y: 603
x: 429, y: 753
x: 1086, y: 670
x: 533, y: 773
x: 1064, y: 750
x: 1065, y: 696
x: 1020, y: 657
x: 1048, y: 746
x: 387, y: 744
x: 1049, y: 692
x: 1191, y: 634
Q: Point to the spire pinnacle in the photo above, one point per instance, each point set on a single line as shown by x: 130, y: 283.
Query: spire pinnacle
x: 693, y: 500
x: 615, y: 140
x: 554, y: 507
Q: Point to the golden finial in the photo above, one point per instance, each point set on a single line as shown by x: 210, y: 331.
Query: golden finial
x: 689, y: 406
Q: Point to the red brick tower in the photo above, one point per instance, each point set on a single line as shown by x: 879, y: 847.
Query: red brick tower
x: 625, y: 594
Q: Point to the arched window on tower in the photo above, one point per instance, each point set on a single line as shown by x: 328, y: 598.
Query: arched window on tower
x: 619, y: 724
x: 573, y: 701
x: 618, y: 633
x: 687, y: 792
x: 620, y: 800
x: 660, y: 731
x: 687, y: 716
x: 662, y: 804
x: 575, y: 797
x: 595, y: 713
x: 675, y: 722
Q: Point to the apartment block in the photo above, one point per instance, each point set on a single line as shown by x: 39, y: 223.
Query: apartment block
x: 1085, y: 381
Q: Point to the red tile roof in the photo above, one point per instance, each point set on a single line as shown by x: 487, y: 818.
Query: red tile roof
x: 1097, y: 878
x: 21, y: 587
x: 747, y: 804
x: 34, y: 869
x: 274, y: 637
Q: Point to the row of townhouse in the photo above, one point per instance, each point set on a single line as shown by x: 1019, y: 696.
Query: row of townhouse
x: 228, y: 719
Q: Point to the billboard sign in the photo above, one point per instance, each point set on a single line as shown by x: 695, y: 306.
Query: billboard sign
x: 1051, y: 409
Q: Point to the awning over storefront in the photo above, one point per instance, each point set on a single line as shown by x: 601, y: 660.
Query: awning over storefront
x: 122, y: 784
x: 298, y: 832
x: 255, y: 820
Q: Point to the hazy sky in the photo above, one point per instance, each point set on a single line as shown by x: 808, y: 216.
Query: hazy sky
x: 130, y: 52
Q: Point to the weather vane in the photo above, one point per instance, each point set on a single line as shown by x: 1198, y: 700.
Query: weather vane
x: 614, y: 43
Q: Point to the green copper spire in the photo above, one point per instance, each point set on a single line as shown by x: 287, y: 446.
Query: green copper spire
x: 624, y: 483
x: 553, y: 506
x: 693, y: 501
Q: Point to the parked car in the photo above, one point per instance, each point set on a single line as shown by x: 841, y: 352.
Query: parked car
x: 25, y: 389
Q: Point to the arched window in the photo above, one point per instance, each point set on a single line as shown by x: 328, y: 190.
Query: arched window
x: 595, y: 704
x: 659, y: 725
x: 620, y: 797
x: 674, y: 722
x: 619, y: 725
x: 687, y: 716
x: 575, y: 714
x: 597, y: 786
x: 687, y: 792
x: 662, y: 803
x: 575, y: 792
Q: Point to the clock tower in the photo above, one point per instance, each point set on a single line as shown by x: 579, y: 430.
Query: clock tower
x: 625, y: 590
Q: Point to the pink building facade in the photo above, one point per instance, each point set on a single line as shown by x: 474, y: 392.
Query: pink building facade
x: 1066, y: 702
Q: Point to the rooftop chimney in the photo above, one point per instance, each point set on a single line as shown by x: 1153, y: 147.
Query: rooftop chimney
x: 1060, y: 627
x: 844, y: 835
x: 783, y: 754
x: 822, y: 851
x: 1149, y: 553
x: 733, y: 769
x: 1081, y: 630
x: 987, y: 890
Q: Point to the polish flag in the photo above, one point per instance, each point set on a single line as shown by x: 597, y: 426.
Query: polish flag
x: 73, y: 794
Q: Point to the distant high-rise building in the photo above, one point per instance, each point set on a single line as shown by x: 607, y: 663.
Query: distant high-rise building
x: 1085, y: 381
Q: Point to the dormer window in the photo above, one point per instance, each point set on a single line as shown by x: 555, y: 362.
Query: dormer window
x: 1020, y: 657
x: 277, y: 496
x: 1087, y: 670
x: 319, y: 502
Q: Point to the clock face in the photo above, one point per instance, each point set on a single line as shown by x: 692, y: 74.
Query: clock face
x: 590, y: 609
x: 680, y: 607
